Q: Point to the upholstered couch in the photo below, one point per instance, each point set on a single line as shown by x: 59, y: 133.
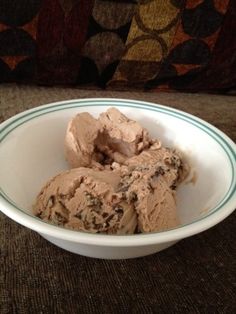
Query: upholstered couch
x: 123, y: 44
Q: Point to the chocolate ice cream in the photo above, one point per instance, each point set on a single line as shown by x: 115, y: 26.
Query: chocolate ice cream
x: 121, y: 137
x: 112, y: 137
x: 82, y: 131
x: 146, y: 188
x: 177, y: 167
x: 123, y: 181
x: 88, y: 200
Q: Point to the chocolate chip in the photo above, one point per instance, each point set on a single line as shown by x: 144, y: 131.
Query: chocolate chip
x: 133, y: 197
x: 150, y: 187
x: 78, y: 215
x: 159, y: 171
x: 93, y: 201
x: 119, y: 210
x: 104, y: 215
x: 174, y: 183
x: 174, y: 161
x: 58, y: 218
x: 109, y: 219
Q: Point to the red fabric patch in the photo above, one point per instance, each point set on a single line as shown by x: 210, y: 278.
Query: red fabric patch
x: 76, y: 25
x: 50, y: 26
x: 60, y: 38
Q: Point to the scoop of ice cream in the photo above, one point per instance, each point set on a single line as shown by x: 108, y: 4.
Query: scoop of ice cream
x: 154, y: 201
x: 88, y: 200
x: 122, y: 137
x: 112, y: 137
x: 170, y: 161
x: 82, y: 131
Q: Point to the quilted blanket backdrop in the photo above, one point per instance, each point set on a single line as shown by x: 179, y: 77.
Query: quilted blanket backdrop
x: 123, y: 44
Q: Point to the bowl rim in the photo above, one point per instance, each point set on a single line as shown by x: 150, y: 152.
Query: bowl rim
x: 217, y: 214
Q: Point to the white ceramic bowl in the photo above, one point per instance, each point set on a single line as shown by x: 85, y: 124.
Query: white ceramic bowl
x: 31, y: 152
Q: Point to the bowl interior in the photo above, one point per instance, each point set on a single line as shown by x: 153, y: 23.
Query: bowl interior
x: 34, y: 151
